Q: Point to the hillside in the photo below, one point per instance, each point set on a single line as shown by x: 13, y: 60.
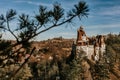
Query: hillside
x: 55, y: 46
x: 53, y: 59
x: 63, y: 47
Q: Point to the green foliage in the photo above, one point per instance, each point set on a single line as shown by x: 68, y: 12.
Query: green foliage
x: 43, y: 16
x: 76, y: 71
x: 113, y: 48
x: 80, y: 10
x: 2, y: 20
x: 23, y: 21
x: 26, y: 27
x: 100, y: 71
x: 58, y: 12
x: 113, y: 39
x: 23, y: 74
x: 10, y: 15
x: 4, y: 44
x: 47, y: 71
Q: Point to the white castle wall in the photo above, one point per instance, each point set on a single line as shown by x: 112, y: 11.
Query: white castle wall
x: 89, y: 51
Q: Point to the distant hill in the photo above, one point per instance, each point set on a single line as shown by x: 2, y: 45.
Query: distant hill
x: 59, y: 46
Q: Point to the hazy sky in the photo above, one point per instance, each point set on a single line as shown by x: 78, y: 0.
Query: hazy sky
x: 103, y: 18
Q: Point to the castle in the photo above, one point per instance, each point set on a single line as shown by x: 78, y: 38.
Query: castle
x: 93, y: 47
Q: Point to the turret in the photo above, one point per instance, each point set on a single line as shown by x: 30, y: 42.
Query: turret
x: 81, y: 37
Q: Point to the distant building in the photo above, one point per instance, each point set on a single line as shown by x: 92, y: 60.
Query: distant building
x: 93, y: 47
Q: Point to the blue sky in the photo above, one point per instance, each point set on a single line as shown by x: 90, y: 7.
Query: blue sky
x: 103, y: 18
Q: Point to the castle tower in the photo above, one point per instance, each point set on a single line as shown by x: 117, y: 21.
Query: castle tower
x: 81, y: 37
x: 82, y: 42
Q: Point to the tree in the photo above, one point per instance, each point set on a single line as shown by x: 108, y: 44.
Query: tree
x: 112, y: 53
x: 28, y: 27
x: 100, y: 71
